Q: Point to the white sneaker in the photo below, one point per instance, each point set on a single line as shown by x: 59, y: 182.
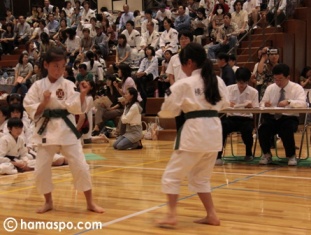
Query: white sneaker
x: 255, y: 27
x: 265, y: 159
x: 219, y: 162
x: 292, y: 161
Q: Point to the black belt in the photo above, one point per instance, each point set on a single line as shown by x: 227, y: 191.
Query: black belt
x: 58, y: 113
x: 195, y: 114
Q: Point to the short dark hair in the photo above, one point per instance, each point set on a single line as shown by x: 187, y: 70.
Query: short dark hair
x: 21, y: 57
x: 14, y: 96
x: 15, y: 122
x: 232, y: 57
x: 130, y: 22
x: 223, y: 56
x: 5, y: 111
x: 281, y: 69
x: 125, y: 70
x: 82, y: 66
x: 16, y: 107
x: 186, y: 33
x: 243, y: 74
x: 228, y: 14
x: 152, y: 50
x: 148, y: 11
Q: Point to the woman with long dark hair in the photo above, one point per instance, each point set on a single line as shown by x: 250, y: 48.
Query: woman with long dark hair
x: 7, y: 38
x: 200, y: 96
x: 94, y: 67
x: 23, y: 72
x: 131, y: 117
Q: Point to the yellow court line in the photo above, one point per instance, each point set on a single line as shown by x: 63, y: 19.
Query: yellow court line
x: 94, y: 174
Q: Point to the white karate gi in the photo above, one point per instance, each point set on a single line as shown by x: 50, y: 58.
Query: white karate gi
x: 133, y: 39
x: 149, y: 40
x: 58, y: 137
x: 201, y: 137
x: 144, y: 26
x: 168, y: 39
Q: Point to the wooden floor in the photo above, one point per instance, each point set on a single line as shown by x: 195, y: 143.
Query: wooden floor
x: 249, y: 199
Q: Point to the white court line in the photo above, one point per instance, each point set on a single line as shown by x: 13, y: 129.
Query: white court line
x: 215, y: 172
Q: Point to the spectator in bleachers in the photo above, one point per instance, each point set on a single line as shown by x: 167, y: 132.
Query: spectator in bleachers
x: 162, y: 13
x: 83, y: 74
x: 41, y: 15
x: 38, y: 30
x: 33, y: 17
x: 103, y: 113
x: 163, y: 81
x: 208, y: 5
x: 23, y: 72
x: 87, y: 13
x: 149, y: 38
x: 48, y: 8
x: 101, y: 40
x: 240, y: 95
x: 56, y: 13
x: 72, y: 45
x: 193, y: 6
x: 182, y: 21
x: 76, y: 18
x: 276, y: 12
x: 217, y: 21
x: 45, y: 44
x: 168, y: 39
x: 60, y: 37
x: 86, y: 42
x: 133, y: 39
x: 69, y: 75
x: 92, y: 27
x: 226, y: 72
x: 305, y: 79
x: 240, y: 17
x: 37, y: 73
x: 32, y: 51
x: 63, y: 16
x: 68, y: 9
x: 126, y: 16
x: 10, y: 18
x: 252, y: 7
x: 123, y: 52
x: 199, y: 25
x: 137, y: 19
x: 226, y: 38
x: 22, y: 31
x: 232, y: 62
x: 148, y: 18
x: 110, y: 33
x: 147, y: 72
x: 131, y: 117
x: 174, y: 70
x: 52, y: 25
x: 78, y: 5
x: 107, y: 15
x: 7, y: 38
x: 94, y: 67
x: 225, y: 7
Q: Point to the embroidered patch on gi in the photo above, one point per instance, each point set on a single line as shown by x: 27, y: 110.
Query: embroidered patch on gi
x: 60, y: 94
x: 168, y: 92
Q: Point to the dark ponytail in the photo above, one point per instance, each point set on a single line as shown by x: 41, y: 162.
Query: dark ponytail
x: 90, y: 55
x: 197, y: 54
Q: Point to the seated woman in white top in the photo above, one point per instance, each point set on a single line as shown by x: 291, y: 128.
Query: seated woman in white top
x: 147, y: 72
x: 131, y: 117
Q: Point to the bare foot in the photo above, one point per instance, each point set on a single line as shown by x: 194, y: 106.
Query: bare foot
x: 95, y: 208
x: 168, y: 222
x: 211, y: 220
x: 46, y: 207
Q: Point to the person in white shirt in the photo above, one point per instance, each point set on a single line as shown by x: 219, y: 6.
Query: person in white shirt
x: 133, y: 38
x: 240, y: 95
x: 287, y: 94
x: 147, y: 72
x: 252, y: 7
x: 148, y: 18
x: 162, y: 13
x: 87, y: 14
x: 240, y: 17
x: 149, y: 38
x: 131, y: 117
x: 276, y: 13
x: 38, y: 30
x: 48, y: 8
x: 126, y: 16
x: 68, y: 8
x: 72, y: 44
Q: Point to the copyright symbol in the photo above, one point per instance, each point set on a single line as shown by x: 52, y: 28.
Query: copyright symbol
x: 10, y: 224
